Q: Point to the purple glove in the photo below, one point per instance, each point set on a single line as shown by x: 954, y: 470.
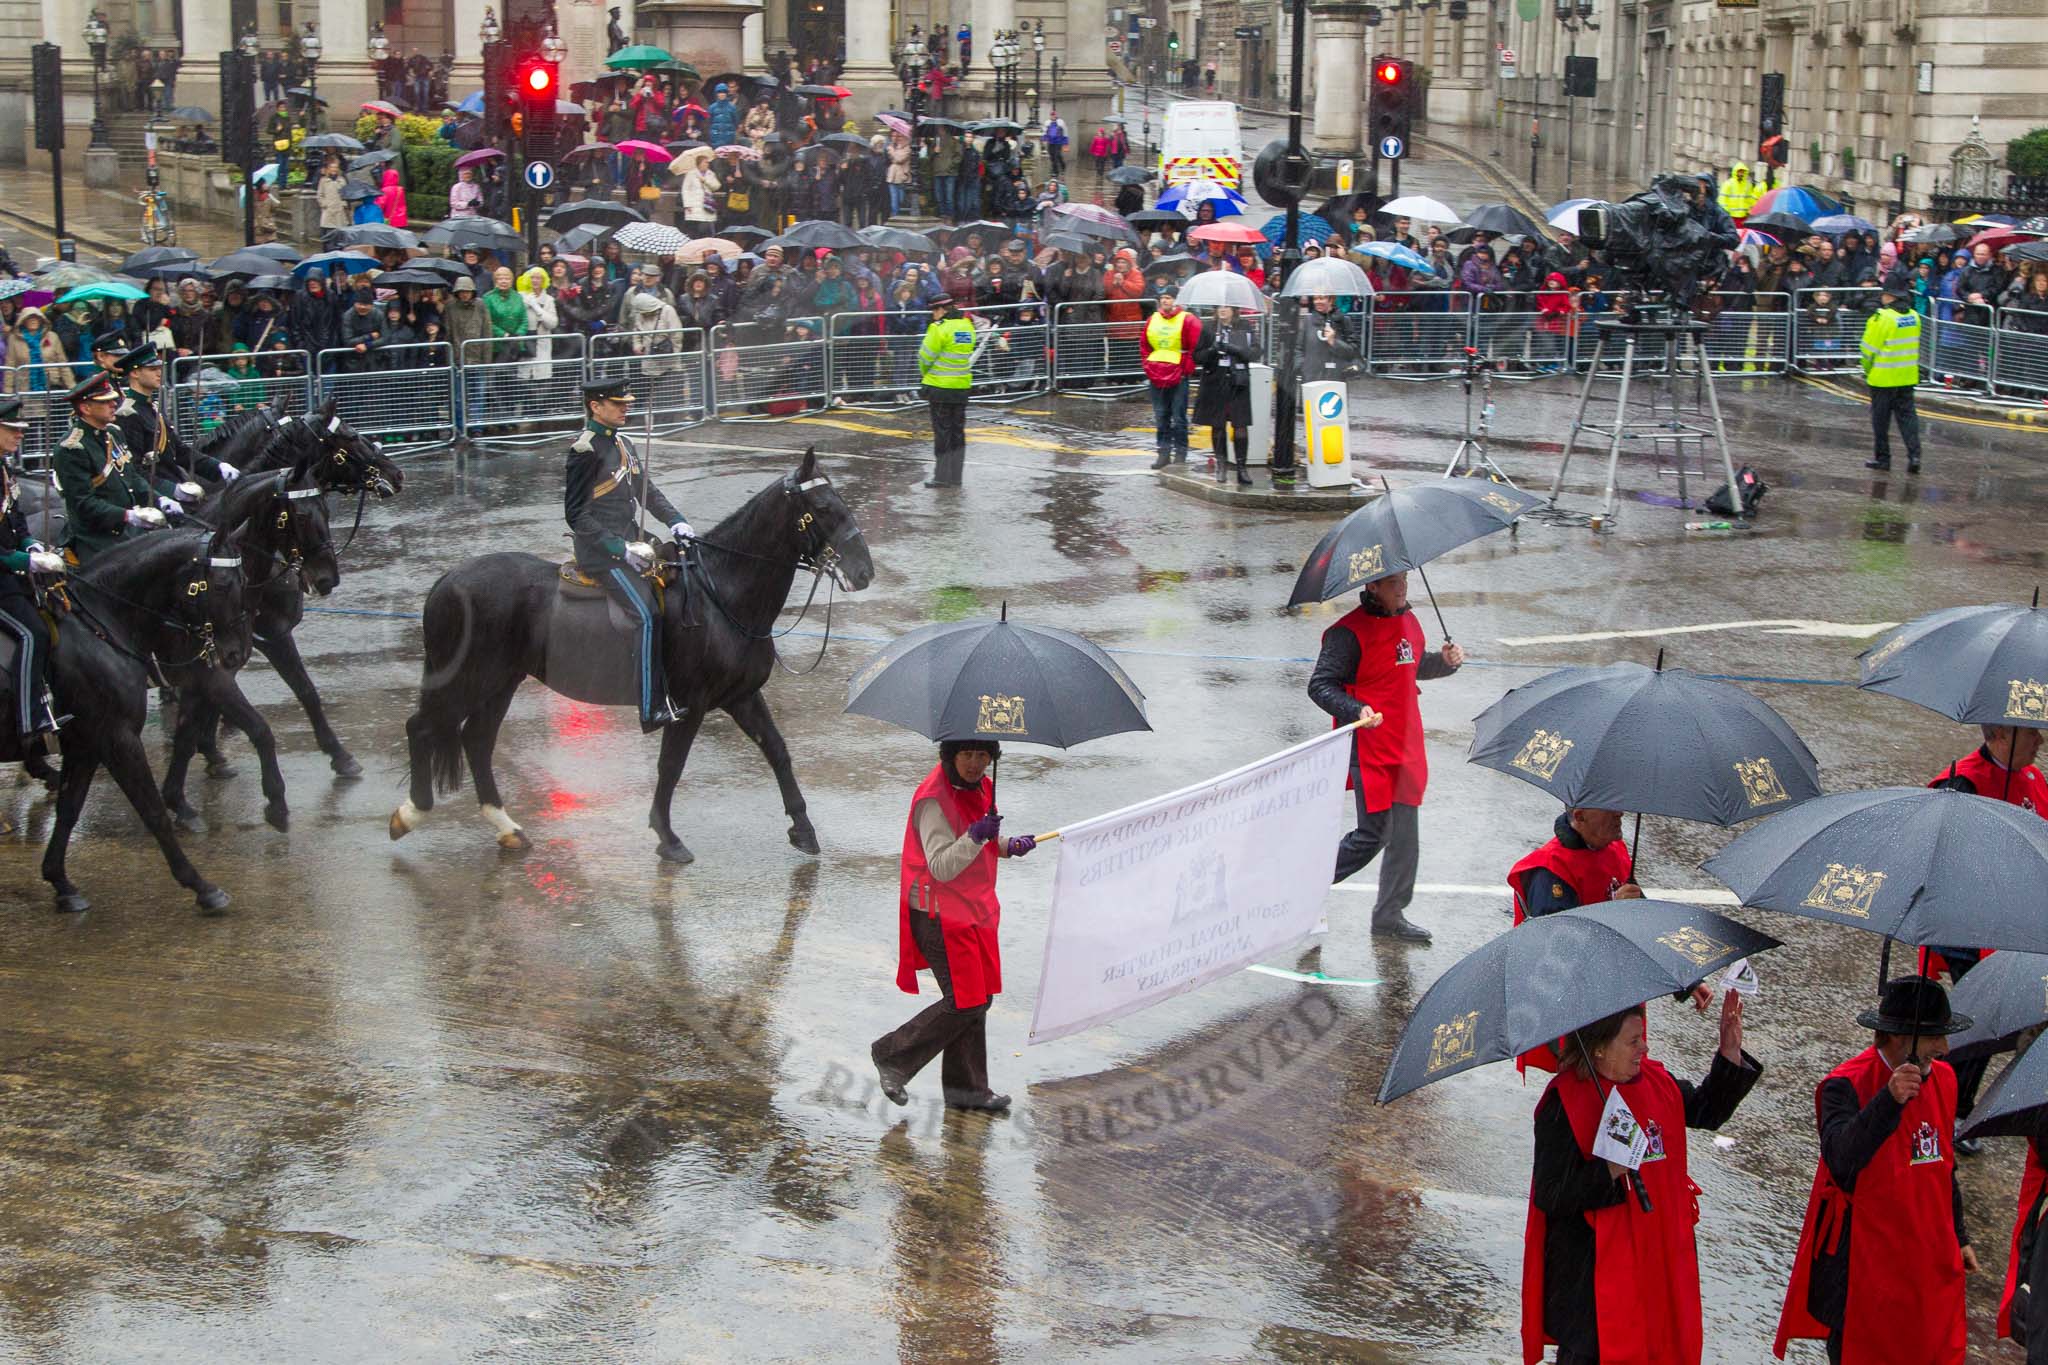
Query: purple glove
x: 986, y: 828
x: 1022, y: 845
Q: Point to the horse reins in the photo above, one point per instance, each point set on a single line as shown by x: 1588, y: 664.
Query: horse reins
x: 820, y: 562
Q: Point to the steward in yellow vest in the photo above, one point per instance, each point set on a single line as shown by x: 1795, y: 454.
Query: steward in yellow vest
x: 1891, y: 366
x: 946, y: 362
x: 1171, y: 336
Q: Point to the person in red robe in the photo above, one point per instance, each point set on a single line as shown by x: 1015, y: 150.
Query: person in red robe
x: 1884, y: 1224
x: 947, y: 916
x: 2002, y: 768
x: 1610, y: 1271
x: 1370, y: 663
x: 1585, y: 862
x: 2026, y: 1260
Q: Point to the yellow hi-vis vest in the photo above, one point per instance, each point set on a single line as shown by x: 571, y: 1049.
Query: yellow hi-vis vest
x: 1162, y: 339
x: 1891, y: 349
x: 946, y: 358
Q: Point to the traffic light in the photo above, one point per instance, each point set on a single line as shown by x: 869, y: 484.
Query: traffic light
x: 48, y: 64
x: 501, y: 102
x: 238, y: 110
x: 1771, y: 118
x: 538, y: 83
x: 1173, y: 40
x: 1389, y: 110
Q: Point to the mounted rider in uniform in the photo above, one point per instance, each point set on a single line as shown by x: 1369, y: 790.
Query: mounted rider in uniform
x: 20, y: 617
x: 106, y: 494
x: 605, y: 483
x: 164, y: 455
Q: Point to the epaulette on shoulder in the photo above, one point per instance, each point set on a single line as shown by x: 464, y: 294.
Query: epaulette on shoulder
x: 74, y: 439
x: 127, y: 408
x: 583, y: 442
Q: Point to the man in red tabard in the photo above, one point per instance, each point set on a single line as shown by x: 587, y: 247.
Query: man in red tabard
x: 2002, y: 768
x: 1881, y: 1259
x: 1370, y: 663
x: 1585, y: 862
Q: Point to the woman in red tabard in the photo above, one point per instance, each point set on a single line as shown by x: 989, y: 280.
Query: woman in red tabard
x: 1609, y: 1270
x: 1884, y: 1225
x: 947, y: 915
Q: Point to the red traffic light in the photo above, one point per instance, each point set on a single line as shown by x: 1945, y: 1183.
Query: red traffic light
x: 1387, y: 73
x: 536, y: 82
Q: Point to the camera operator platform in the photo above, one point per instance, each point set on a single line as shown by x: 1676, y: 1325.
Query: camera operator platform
x: 1664, y: 245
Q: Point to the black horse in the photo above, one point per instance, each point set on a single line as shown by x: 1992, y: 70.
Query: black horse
x: 488, y: 624
x: 167, y: 600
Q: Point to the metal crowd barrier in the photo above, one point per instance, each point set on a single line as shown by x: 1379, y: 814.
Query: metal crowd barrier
x: 1015, y: 356
x: 522, y: 381
x: 770, y: 369
x: 400, y: 394
x: 1092, y: 347
x: 1418, y: 332
x: 874, y: 355
x: 205, y: 390
x: 665, y: 369
x: 43, y: 408
x: 1956, y: 352
x: 2019, y: 362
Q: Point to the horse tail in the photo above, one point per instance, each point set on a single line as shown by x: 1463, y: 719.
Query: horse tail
x: 450, y: 628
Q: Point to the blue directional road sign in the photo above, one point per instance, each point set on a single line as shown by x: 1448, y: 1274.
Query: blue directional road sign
x: 540, y: 175
x: 1392, y: 148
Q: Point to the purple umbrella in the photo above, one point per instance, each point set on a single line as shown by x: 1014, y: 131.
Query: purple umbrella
x: 478, y: 157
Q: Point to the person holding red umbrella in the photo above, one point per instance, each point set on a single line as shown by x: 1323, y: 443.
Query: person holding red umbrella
x: 1610, y: 1271
x: 1882, y: 1256
x: 947, y: 915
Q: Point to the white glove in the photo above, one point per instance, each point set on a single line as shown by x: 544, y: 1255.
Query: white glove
x: 640, y: 555
x: 169, y: 507
x: 42, y: 561
x: 144, y: 517
x: 228, y: 473
x: 190, y: 492
x: 682, y: 530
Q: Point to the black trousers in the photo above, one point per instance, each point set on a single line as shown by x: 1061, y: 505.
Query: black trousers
x: 1970, y: 1073
x: 949, y: 440
x: 1394, y: 831
x: 1886, y: 406
x: 20, y: 619
x: 939, y: 1028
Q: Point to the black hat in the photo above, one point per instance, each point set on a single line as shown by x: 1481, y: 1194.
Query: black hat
x: 607, y: 389
x: 109, y: 343
x: 941, y: 300
x: 1898, y: 284
x: 10, y: 413
x: 99, y: 385
x: 139, y: 358
x: 1907, y: 998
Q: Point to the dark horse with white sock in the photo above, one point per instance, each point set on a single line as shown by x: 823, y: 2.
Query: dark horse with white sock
x: 491, y: 621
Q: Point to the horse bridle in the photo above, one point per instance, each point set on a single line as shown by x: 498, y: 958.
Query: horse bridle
x: 292, y: 556
x: 819, y: 559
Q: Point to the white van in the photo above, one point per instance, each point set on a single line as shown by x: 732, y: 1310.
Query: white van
x: 1201, y: 142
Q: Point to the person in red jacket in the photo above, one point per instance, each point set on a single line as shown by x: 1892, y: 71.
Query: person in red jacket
x: 2029, y: 1262
x: 1171, y: 336
x: 947, y: 916
x: 1882, y: 1256
x: 2002, y: 768
x: 1585, y: 862
x: 1610, y: 1271
x: 1370, y: 663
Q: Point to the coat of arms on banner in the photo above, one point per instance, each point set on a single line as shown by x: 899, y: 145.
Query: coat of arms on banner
x: 2026, y: 700
x: 1198, y: 893
x: 1926, y: 1145
x: 1543, y: 754
x: 1845, y: 891
x: 1001, y: 715
x: 1760, y: 783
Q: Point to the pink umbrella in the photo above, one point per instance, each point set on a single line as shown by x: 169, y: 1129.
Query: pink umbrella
x: 382, y: 107
x: 478, y: 157
x: 1226, y: 232
x: 647, y: 151
x: 893, y: 124
x: 738, y: 151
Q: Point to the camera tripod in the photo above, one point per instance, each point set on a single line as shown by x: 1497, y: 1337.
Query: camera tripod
x: 1660, y: 421
x: 1471, y: 458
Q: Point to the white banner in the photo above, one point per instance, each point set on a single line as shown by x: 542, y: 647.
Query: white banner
x: 1161, y: 897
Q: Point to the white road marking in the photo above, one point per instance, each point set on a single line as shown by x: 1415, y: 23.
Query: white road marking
x: 1841, y: 630
x: 1708, y: 895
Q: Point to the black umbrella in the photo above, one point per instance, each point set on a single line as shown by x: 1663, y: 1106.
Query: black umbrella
x: 187, y: 113
x: 1547, y: 976
x: 997, y: 680
x: 169, y: 271
x: 819, y: 232
x: 303, y: 92
x: 1655, y: 741
x: 820, y: 92
x: 581, y: 238
x: 380, y: 236
x: 2003, y: 996
x: 1780, y: 224
x: 331, y: 142
x: 1405, y: 529
x: 277, y: 251
x: 429, y: 279
x: 2013, y: 1106
x: 854, y: 140
x: 487, y: 234
x: 356, y: 189
x: 593, y: 213
x: 1921, y: 865
x: 369, y: 159
x: 955, y: 124
x: 1937, y: 234
x: 991, y: 125
x: 1503, y: 218
x: 2026, y: 251
x: 1337, y: 208
x: 1977, y: 665
x: 242, y: 263
x: 745, y: 232
x: 273, y: 282
x: 1120, y: 233
x: 2038, y: 224
x: 448, y: 271
x: 897, y: 239
x: 1067, y: 241
x: 983, y: 225
x: 155, y: 256
x: 1128, y: 175
x: 1172, y: 262
x: 1158, y: 218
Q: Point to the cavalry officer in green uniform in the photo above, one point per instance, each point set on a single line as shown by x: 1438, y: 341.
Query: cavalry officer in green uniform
x: 106, y: 494
x: 946, y: 363
x: 605, y: 479
x: 167, y: 461
x: 1891, y: 366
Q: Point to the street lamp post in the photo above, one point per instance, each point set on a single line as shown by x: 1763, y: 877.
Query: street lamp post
x: 1037, y: 66
x: 1002, y: 59
x: 551, y: 45
x: 380, y: 48
x: 489, y: 31
x: 309, y: 49
x: 96, y: 41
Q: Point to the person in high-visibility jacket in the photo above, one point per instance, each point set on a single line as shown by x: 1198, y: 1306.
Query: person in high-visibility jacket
x: 1739, y: 193
x: 946, y: 363
x: 1891, y: 366
x: 1171, y: 336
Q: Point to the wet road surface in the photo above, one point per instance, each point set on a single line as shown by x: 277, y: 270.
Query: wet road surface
x: 433, y: 1101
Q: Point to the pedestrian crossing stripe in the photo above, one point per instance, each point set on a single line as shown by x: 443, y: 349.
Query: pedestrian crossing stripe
x: 1224, y: 170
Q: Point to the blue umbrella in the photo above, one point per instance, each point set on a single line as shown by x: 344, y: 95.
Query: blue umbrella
x: 1227, y: 201
x: 1795, y: 199
x: 1393, y: 253
x: 326, y: 260
x: 472, y: 103
x: 1314, y: 228
x: 1836, y: 223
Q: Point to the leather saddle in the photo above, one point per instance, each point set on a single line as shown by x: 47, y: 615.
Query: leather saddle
x: 593, y: 652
